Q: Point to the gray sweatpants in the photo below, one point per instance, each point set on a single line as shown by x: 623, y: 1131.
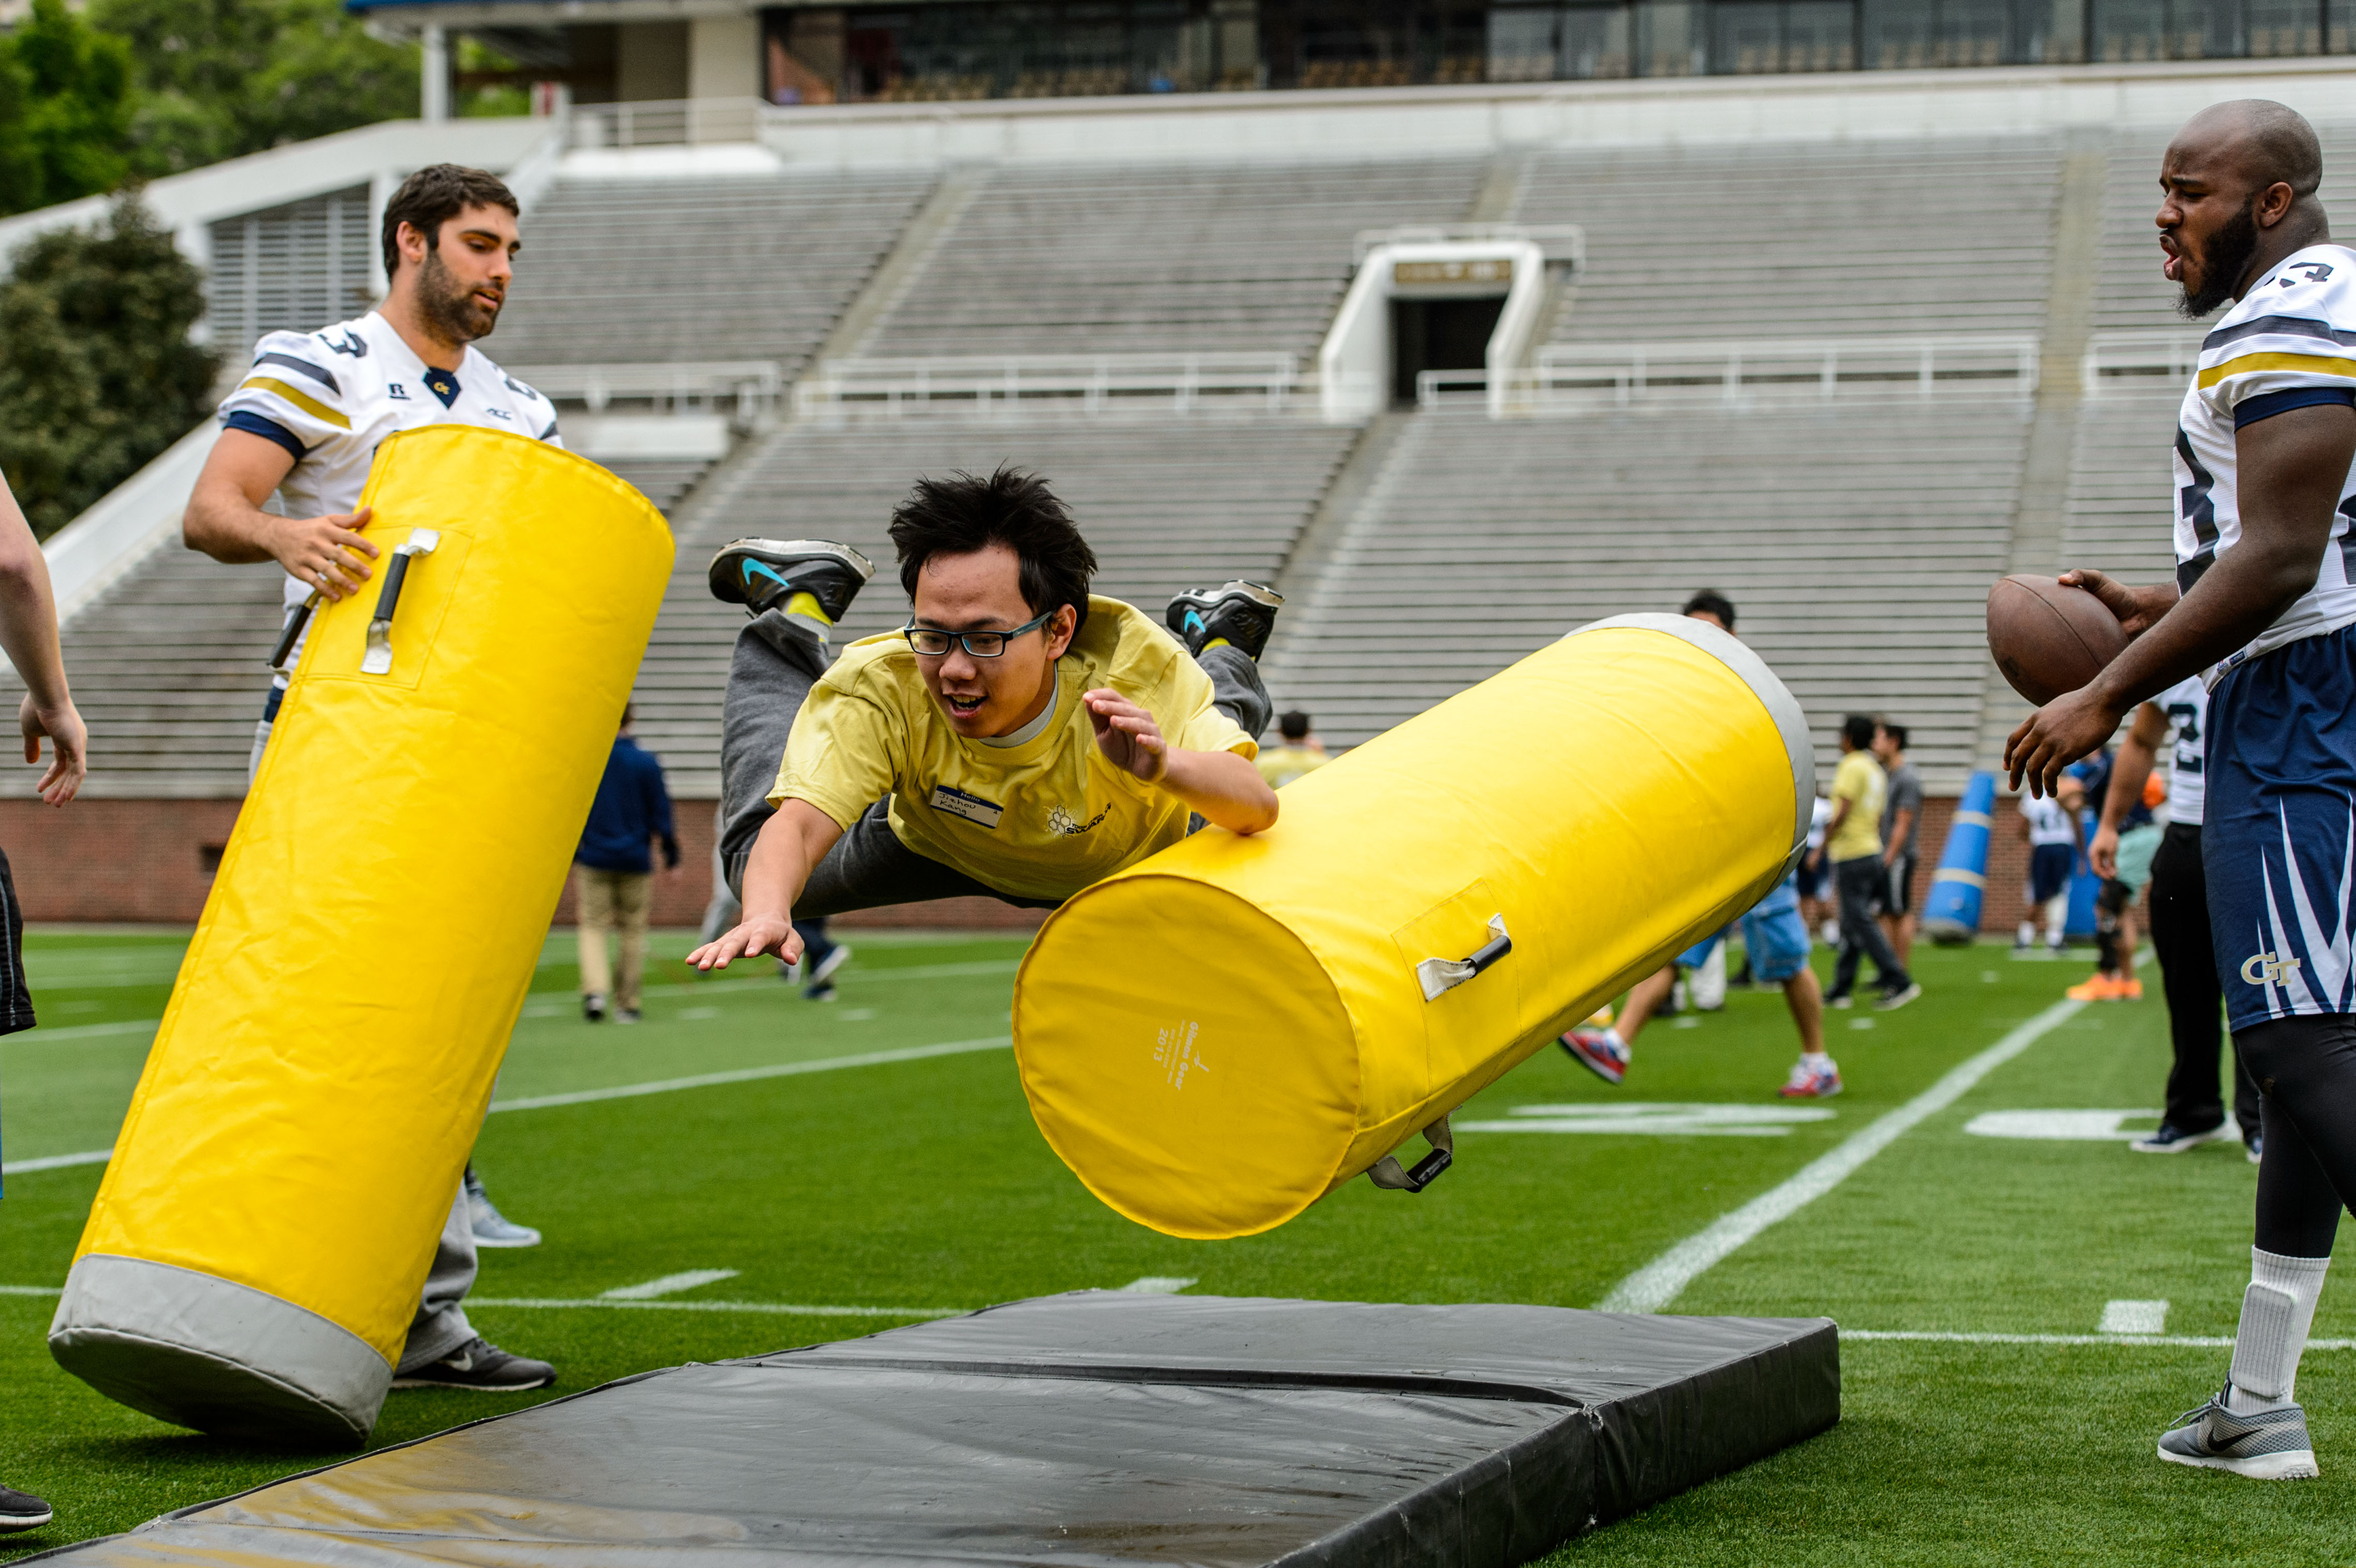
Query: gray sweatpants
x: 777, y: 660
x: 440, y: 1326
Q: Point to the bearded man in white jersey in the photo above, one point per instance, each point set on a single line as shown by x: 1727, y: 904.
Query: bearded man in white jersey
x: 307, y: 422
x: 2264, y: 601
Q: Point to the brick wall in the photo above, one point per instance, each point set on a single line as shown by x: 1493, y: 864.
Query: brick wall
x: 152, y: 860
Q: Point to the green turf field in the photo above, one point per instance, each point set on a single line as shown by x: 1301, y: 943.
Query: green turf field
x: 880, y: 1182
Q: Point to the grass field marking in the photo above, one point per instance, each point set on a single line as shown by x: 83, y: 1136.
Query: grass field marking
x: 771, y: 1308
x: 2124, y: 1317
x: 56, y: 1161
x: 32, y: 1290
x: 2058, y: 1127
x: 2183, y: 1341
x: 669, y: 1285
x: 1156, y: 1285
x: 551, y: 1004
x: 753, y: 1074
x: 86, y: 1031
x: 1658, y: 1118
x: 1660, y: 1282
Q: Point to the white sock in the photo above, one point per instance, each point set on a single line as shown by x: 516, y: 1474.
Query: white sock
x: 1817, y: 1062
x: 2276, y: 1311
x: 2057, y: 915
x: 2028, y: 932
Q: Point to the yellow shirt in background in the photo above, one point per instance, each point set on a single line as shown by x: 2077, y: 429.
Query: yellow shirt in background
x: 1286, y: 764
x: 1042, y: 819
x: 1860, y: 782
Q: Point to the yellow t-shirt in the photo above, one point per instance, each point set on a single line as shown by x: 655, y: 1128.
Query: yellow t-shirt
x: 1860, y: 782
x: 1286, y: 764
x: 1042, y: 819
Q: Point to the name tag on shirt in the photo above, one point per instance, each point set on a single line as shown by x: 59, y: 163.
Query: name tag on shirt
x: 972, y: 807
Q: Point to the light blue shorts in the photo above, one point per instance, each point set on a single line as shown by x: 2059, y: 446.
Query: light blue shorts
x: 1775, y: 935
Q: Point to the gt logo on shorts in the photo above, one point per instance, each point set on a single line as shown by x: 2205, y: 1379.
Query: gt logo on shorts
x: 2265, y: 969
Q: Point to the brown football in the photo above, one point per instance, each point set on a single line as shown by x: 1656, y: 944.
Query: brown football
x: 2049, y: 639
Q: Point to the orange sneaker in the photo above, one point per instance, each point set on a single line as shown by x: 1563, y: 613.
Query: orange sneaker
x: 2130, y: 990
x: 2098, y: 988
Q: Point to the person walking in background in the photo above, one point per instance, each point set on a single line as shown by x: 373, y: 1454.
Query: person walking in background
x: 1860, y: 876
x: 29, y: 633
x: 2051, y: 830
x: 1815, y: 877
x: 1301, y: 752
x: 2181, y: 936
x: 2134, y: 838
x: 616, y: 866
x: 821, y: 956
x: 1901, y: 824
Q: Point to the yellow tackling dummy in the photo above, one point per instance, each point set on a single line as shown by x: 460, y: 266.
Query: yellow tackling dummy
x: 256, y: 1251
x: 1219, y: 1036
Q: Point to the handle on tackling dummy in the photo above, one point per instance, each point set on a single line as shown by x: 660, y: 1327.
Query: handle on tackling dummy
x: 1387, y: 1171
x: 1441, y: 976
x: 378, y: 660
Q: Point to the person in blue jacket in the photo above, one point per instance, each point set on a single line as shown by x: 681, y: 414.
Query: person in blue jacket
x: 615, y: 863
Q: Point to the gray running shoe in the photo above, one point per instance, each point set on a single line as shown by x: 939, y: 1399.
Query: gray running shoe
x: 491, y: 1228
x: 2272, y: 1446
x: 758, y: 574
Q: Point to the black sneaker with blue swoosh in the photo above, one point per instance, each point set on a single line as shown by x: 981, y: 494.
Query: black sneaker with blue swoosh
x: 1240, y: 613
x: 761, y: 573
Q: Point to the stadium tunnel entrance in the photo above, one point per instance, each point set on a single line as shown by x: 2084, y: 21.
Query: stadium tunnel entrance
x: 1424, y: 314
x: 1438, y: 335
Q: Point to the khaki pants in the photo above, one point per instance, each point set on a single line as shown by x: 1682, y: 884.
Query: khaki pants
x: 611, y: 900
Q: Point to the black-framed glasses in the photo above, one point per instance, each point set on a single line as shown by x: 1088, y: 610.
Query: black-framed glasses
x: 934, y: 643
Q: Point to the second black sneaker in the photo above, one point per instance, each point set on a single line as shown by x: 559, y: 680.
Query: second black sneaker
x: 482, y: 1366
x: 762, y: 574
x: 1240, y: 613
x: 21, y: 1510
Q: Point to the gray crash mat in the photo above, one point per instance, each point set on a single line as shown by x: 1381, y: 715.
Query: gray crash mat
x: 1085, y: 1429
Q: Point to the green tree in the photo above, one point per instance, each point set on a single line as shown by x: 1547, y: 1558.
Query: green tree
x: 219, y: 79
x: 78, y: 101
x: 97, y: 374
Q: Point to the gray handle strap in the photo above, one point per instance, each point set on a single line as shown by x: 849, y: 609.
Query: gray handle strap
x: 1387, y: 1171
x: 1441, y: 976
x: 378, y: 658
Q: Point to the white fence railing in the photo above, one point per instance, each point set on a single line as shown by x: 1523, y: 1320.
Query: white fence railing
x: 751, y: 385
x: 665, y: 122
x: 2138, y: 363
x: 1565, y: 244
x: 1048, y: 383
x: 1573, y: 379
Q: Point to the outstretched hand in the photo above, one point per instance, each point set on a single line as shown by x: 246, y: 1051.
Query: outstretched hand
x: 763, y: 933
x: 62, y: 727
x: 2070, y: 727
x: 1127, y: 735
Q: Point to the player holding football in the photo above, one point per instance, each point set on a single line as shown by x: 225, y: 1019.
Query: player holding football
x: 1019, y: 739
x: 2264, y: 601
x: 307, y: 422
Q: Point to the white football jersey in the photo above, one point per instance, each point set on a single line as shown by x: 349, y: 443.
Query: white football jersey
x: 2048, y: 823
x: 331, y: 396
x: 2286, y: 345
x: 2186, y: 706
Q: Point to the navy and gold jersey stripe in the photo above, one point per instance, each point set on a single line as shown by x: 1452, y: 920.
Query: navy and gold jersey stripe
x: 296, y: 396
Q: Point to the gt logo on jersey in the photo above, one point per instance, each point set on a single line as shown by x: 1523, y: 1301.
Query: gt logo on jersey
x: 2265, y: 969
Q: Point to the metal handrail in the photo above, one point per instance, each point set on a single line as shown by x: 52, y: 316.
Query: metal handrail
x: 1745, y: 371
x: 664, y: 123
x: 1084, y: 383
x: 2139, y: 362
x: 753, y: 385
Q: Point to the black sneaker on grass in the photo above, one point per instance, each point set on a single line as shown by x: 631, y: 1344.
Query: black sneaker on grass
x: 482, y: 1366
x: 21, y: 1510
x: 1243, y: 613
x: 761, y: 574
x: 2169, y: 1138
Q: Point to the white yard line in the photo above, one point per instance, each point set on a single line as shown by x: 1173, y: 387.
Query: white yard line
x: 772, y: 1308
x: 631, y: 1091
x: 1660, y: 1282
x: 750, y: 1075
x: 2198, y: 1341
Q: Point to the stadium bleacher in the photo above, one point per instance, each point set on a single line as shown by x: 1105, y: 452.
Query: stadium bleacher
x: 658, y: 271
x: 1167, y: 505
x: 1175, y: 258
x: 1857, y: 545
x: 1838, y: 240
